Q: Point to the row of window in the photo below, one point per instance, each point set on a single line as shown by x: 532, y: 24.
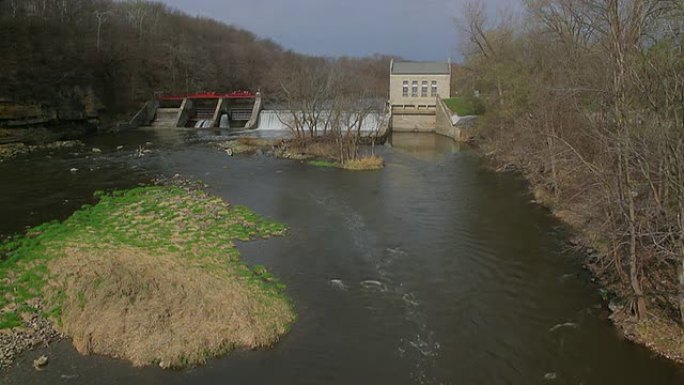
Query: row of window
x: 423, y: 88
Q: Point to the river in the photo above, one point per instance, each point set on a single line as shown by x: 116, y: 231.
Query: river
x: 434, y: 270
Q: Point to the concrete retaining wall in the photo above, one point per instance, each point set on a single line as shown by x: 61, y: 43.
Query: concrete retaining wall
x: 184, y: 113
x: 428, y: 120
x: 403, y: 122
x: 443, y: 123
x: 254, y: 120
x: 146, y: 114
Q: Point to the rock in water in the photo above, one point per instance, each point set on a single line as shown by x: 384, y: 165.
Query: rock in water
x: 565, y: 325
x: 74, y: 170
x: 338, y: 284
x: 229, y: 151
x: 96, y: 150
x: 40, y: 362
x: 373, y: 284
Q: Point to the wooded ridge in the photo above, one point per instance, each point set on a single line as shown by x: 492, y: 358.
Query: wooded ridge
x: 107, y: 57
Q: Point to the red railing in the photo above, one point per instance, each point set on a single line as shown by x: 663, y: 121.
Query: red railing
x: 209, y: 95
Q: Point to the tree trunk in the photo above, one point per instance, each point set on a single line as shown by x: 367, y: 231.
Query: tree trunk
x: 680, y: 274
x: 680, y: 264
x: 634, y: 275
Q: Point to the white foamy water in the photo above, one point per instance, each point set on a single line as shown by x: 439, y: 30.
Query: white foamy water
x: 277, y: 120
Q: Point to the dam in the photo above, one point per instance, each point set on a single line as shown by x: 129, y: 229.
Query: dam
x: 244, y: 111
x: 415, y: 104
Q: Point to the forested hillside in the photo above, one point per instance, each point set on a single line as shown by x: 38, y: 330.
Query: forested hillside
x: 586, y: 97
x: 117, y: 54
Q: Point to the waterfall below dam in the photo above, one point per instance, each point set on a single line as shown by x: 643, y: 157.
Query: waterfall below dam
x: 204, y: 123
x: 279, y: 120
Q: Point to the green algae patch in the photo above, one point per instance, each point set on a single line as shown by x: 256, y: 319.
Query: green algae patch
x: 364, y: 163
x: 150, y: 275
x: 323, y: 163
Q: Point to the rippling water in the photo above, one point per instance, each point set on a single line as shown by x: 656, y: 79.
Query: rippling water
x: 431, y: 271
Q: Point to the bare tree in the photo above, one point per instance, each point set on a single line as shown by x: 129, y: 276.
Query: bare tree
x: 101, y: 17
x: 307, y: 94
x: 322, y: 105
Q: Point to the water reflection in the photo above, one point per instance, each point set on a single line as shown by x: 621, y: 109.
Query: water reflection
x: 424, y: 146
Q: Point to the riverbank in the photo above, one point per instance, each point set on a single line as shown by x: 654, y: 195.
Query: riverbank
x: 150, y: 275
x: 657, y: 332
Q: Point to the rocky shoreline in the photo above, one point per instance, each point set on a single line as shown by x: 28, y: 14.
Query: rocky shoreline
x: 36, y: 332
x: 10, y: 150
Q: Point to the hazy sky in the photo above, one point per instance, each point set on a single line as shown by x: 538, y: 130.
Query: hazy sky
x: 413, y: 29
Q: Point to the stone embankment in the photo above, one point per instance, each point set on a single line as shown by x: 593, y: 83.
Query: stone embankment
x: 74, y: 115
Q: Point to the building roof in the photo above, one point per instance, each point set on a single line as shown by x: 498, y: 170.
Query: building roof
x: 420, y: 68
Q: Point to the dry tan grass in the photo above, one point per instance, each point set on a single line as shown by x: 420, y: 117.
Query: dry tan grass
x: 163, y: 309
x: 321, y: 149
x: 258, y: 142
x: 662, y: 336
x: 314, y: 149
x: 372, y: 162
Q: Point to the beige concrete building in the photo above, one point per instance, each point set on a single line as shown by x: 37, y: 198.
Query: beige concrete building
x: 418, y: 84
x: 415, y: 88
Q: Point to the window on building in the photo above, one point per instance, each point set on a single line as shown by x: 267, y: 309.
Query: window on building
x: 423, y: 89
x: 404, y: 88
x: 414, y: 88
x: 434, y: 88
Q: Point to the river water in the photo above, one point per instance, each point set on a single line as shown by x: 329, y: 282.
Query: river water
x: 431, y: 271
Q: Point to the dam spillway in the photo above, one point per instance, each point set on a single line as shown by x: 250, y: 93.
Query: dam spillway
x: 282, y: 120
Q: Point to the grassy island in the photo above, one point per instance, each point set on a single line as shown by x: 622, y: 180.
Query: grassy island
x: 149, y: 275
x: 319, y: 152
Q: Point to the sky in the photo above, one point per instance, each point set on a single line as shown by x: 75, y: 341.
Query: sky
x: 411, y: 29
